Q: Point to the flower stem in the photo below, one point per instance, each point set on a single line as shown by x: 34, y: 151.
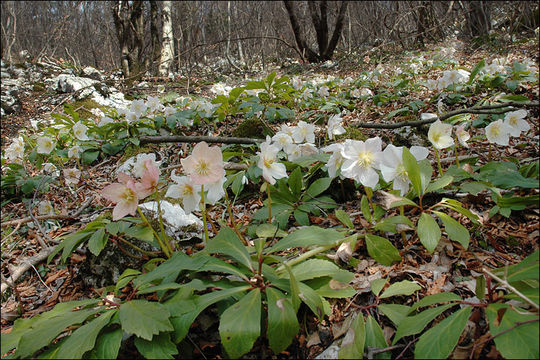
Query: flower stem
x: 489, y: 151
x: 235, y: 227
x: 161, y: 245
x: 165, y: 239
x: 403, y: 236
x: 269, y: 203
x: 203, y: 209
x: 457, y: 155
x: 438, y: 162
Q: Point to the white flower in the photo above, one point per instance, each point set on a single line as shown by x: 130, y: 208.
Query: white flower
x: 366, y: 92
x: 306, y: 94
x: 15, y: 151
x: 361, y: 160
x: 498, y: 132
x: 427, y: 116
x: 169, y: 110
x: 323, y: 91
x: 336, y: 159
x: 304, y: 132
x: 97, y: 112
x: 140, y: 165
x: 71, y: 176
x: 515, y: 120
x: 35, y: 124
x: 335, y: 126
x: 138, y: 107
x: 287, y: 129
x: 45, y: 207
x: 451, y: 77
x: 105, y: 120
x: 79, y: 131
x: 297, y: 83
x: 463, y: 135
x: 282, y: 140
x: 271, y: 169
x: 220, y: 89
x: 392, y: 168
x: 355, y: 93
x: 132, y: 116
x: 186, y: 190
x: 440, y: 135
x: 215, y: 191
x: 75, y: 152
x: 153, y: 104
x: 51, y: 169
x: 45, y: 145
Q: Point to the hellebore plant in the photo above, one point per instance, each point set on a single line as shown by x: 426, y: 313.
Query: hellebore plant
x: 440, y: 135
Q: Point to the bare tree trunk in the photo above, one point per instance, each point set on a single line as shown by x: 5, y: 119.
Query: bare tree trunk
x: 167, y: 52
x: 129, y: 24
x: 151, y: 61
x: 10, y: 34
x: 479, y: 19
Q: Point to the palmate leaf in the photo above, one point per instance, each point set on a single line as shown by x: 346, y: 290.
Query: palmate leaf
x: 144, y: 318
x: 282, y: 322
x: 439, y: 341
x: 107, y: 345
x: 240, y: 324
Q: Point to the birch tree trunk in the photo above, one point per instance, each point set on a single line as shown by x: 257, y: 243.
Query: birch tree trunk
x: 167, y: 51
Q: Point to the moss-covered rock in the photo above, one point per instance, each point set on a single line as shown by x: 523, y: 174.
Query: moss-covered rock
x: 352, y: 133
x: 252, y: 128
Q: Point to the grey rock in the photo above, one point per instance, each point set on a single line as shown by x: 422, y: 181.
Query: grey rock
x: 67, y: 83
x: 92, y: 73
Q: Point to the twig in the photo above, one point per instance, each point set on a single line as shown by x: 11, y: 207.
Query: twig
x: 472, y: 110
x: 192, y: 139
x: 519, y: 323
x: 226, y: 166
x: 511, y: 288
x: 374, y: 351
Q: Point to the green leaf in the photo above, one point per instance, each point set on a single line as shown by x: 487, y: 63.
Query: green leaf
x: 313, y: 268
x: 160, y: 347
x: 429, y: 232
x: 458, y: 207
x: 352, y: 346
x: 125, y: 278
x: 377, y: 285
x: 454, y: 229
x: 227, y: 242
x: 480, y: 289
x: 240, y: 324
x: 282, y: 322
x: 364, y: 206
x: 375, y: 338
x: 395, y: 312
x: 401, y: 201
x: 415, y: 324
x: 268, y: 230
x: 426, y: 171
x: 345, y: 219
x: 413, y: 170
x: 107, y: 345
x: 404, y: 287
x: 504, y: 174
x: 143, y: 233
x: 97, y: 241
x: 435, y: 299
x: 526, y: 269
x: 317, y: 187
x: 313, y: 300
x: 382, y: 250
x: 473, y: 187
x: 301, y: 217
x: 439, y: 183
x: 295, y: 181
x: 44, y: 329
x: 89, y: 157
x: 475, y: 71
x: 389, y: 224
x: 84, y: 338
x: 308, y: 236
x: 439, y: 341
x: 218, y: 265
x: 144, y: 318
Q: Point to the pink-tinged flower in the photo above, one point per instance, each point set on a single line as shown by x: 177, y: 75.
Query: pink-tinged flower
x: 215, y: 191
x: 498, y: 132
x: 186, y: 190
x: 463, y: 135
x: 440, y: 135
x: 205, y: 164
x: 361, y: 160
x: 124, y: 194
x: 515, y: 120
x: 271, y: 169
x: 72, y: 176
x: 149, y: 179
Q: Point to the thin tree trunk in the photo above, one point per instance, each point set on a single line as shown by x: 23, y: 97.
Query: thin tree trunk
x: 167, y: 52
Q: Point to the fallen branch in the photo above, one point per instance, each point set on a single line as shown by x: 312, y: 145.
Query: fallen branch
x: 472, y: 110
x: 193, y: 139
x: 25, y: 265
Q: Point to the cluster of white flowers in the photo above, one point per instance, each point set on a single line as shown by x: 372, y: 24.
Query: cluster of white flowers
x: 514, y: 123
x: 221, y: 89
x: 495, y: 67
x: 452, y: 77
x: 204, y: 106
x: 15, y: 151
x: 363, y: 92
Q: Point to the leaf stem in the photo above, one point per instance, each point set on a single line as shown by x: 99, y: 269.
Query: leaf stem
x: 269, y: 203
x: 439, y: 162
x: 160, y: 213
x: 203, y: 209
x: 161, y: 245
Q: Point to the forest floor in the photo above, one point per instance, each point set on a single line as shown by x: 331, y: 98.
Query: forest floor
x: 500, y: 240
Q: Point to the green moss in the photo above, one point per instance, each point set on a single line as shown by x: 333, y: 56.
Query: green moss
x: 39, y: 87
x: 132, y: 150
x: 83, y: 106
x: 353, y: 134
x: 251, y: 128
x: 21, y: 66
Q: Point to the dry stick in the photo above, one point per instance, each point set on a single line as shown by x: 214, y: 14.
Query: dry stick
x: 192, y: 139
x: 511, y: 288
x: 19, y: 222
x: 472, y: 110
